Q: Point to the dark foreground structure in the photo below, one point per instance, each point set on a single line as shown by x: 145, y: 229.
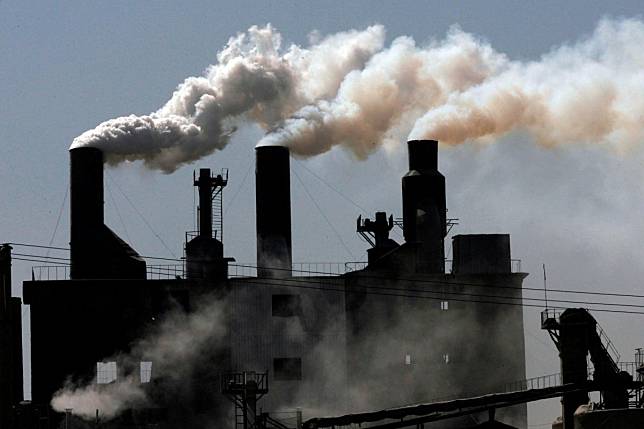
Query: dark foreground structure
x: 397, y: 329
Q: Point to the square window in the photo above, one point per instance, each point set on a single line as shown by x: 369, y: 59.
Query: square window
x: 284, y: 305
x: 146, y: 371
x: 287, y: 368
x: 444, y: 305
x: 106, y: 372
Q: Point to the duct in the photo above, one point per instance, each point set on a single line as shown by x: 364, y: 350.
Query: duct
x: 424, y: 208
x: 96, y: 251
x: 273, y: 211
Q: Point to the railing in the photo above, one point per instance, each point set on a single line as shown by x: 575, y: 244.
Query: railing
x: 515, y: 266
x: 541, y: 382
x: 172, y: 271
x: 234, y: 382
x: 50, y: 272
x: 550, y: 318
x: 608, y: 344
x: 242, y: 270
x: 289, y: 419
x: 301, y: 269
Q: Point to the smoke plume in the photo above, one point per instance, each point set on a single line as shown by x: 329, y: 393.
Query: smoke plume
x: 254, y: 80
x: 177, y: 347
x: 349, y: 89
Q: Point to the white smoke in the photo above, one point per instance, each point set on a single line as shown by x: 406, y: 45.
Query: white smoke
x: 175, y: 347
x: 253, y: 80
x: 461, y: 89
x: 349, y: 89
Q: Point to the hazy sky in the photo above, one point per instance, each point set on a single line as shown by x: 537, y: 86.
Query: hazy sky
x: 67, y: 66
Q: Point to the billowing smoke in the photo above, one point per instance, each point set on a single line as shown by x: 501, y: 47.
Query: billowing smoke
x: 177, y: 348
x: 461, y: 89
x: 349, y: 89
x: 254, y: 80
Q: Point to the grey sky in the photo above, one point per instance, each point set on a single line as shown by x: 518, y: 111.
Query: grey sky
x: 67, y: 66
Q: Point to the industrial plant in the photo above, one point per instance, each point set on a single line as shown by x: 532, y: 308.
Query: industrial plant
x: 409, y: 337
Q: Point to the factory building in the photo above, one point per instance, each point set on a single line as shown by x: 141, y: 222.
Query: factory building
x: 400, y: 329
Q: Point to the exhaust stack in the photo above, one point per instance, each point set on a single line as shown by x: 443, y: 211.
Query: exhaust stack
x: 96, y: 251
x: 273, y: 211
x: 424, y: 208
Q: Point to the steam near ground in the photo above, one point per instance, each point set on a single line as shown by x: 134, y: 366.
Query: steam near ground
x: 175, y: 347
x: 351, y: 89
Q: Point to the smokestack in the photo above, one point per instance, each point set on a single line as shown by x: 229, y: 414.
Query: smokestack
x: 273, y: 211
x: 86, y: 199
x: 96, y: 251
x: 424, y: 209
x: 10, y: 341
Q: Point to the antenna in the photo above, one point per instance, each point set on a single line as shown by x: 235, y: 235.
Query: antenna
x: 545, y: 285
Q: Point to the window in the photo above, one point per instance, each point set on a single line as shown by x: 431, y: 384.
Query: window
x: 407, y: 359
x: 286, y: 305
x: 287, y: 368
x: 444, y: 305
x: 146, y: 372
x: 106, y: 372
x: 446, y: 357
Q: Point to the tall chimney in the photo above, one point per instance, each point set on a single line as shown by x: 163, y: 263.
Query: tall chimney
x: 424, y: 209
x: 86, y: 210
x: 273, y: 211
x: 96, y: 251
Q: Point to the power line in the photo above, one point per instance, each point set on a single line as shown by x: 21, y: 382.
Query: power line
x: 442, y: 293
x: 462, y: 283
x: 238, y: 191
x: 141, y: 216
x: 306, y: 283
x: 350, y: 200
x: 284, y: 283
x: 323, y: 215
x: 38, y: 246
x: 384, y: 277
x: 116, y: 208
x: 40, y: 261
x: 38, y: 256
x: 60, y: 214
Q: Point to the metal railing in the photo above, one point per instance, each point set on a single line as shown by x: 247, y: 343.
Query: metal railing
x: 50, y: 272
x: 301, y: 269
x: 170, y: 271
x: 541, y: 382
x: 608, y: 344
x: 515, y: 266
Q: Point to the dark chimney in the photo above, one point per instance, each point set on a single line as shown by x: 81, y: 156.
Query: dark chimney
x: 424, y: 209
x: 273, y: 211
x: 86, y: 199
x: 96, y: 251
x: 10, y: 341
